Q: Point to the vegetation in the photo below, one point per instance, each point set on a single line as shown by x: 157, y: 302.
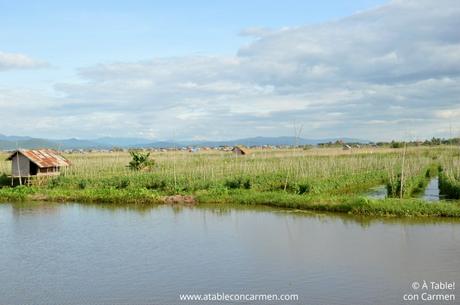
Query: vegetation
x: 140, y: 161
x: 449, y: 176
x: 326, y: 179
x: 413, y: 182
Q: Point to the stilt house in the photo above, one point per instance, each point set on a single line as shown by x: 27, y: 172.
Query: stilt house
x: 41, y: 162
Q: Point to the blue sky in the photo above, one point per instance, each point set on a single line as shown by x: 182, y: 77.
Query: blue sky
x: 215, y: 70
x: 72, y: 35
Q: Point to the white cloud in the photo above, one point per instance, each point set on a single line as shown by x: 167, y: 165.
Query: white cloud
x: 449, y: 113
x: 377, y: 74
x: 10, y: 61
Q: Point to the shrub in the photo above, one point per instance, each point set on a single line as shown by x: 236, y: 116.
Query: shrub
x: 4, y: 180
x: 238, y: 183
x: 303, y: 188
x: 140, y: 161
x: 122, y: 184
x: 82, y: 184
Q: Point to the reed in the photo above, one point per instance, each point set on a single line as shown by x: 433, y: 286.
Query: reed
x: 315, y: 176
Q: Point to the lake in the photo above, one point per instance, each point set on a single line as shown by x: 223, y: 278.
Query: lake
x: 90, y: 254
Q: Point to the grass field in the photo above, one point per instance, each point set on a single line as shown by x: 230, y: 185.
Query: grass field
x: 328, y: 179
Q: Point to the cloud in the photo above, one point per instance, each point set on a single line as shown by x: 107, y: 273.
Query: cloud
x: 448, y: 113
x: 10, y: 61
x: 377, y: 74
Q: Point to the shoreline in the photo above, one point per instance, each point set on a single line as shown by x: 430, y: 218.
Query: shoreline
x: 353, y: 205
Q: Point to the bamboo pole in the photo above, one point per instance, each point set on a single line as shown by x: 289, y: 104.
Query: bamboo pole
x: 402, y: 171
x: 19, y: 168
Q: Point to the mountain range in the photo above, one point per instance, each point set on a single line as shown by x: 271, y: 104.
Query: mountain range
x: 14, y: 142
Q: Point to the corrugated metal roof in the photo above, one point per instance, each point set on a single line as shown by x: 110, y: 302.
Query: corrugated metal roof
x: 43, y: 157
x: 243, y: 150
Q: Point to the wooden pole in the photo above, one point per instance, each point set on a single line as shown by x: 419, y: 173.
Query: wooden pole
x: 19, y: 168
x: 402, y: 171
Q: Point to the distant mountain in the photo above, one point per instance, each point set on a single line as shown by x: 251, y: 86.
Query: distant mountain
x: 13, y: 142
x: 256, y: 141
x: 77, y: 144
x: 122, y: 142
x: 162, y: 144
x: 30, y: 143
x: 13, y: 138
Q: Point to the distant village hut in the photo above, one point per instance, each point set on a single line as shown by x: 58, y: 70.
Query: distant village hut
x: 241, y: 151
x: 40, y: 162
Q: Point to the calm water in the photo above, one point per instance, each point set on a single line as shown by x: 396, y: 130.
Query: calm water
x: 432, y: 190
x: 81, y: 254
x: 377, y: 192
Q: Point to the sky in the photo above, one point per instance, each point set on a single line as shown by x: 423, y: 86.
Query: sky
x: 214, y: 70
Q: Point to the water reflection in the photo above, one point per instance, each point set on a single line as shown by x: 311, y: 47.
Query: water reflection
x: 431, y: 192
x: 216, y: 210
x: 377, y: 192
x: 106, y: 254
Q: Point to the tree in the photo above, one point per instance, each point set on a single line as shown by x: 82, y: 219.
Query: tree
x: 140, y: 161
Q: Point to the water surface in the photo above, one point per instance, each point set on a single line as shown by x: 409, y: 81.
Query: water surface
x: 431, y: 192
x: 85, y: 254
x: 377, y: 192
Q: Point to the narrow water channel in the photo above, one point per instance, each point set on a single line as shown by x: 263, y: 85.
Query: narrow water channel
x: 432, y: 190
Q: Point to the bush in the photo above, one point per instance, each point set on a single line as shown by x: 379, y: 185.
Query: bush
x: 303, y: 188
x: 82, y: 184
x: 140, y: 161
x: 449, y: 186
x: 122, y: 184
x: 156, y: 185
x: 55, y: 182
x: 395, y: 144
x: 4, y: 180
x: 238, y: 183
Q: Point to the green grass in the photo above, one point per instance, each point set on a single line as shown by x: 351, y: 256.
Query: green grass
x: 355, y: 205
x: 449, y: 185
x: 414, y: 182
x: 317, y: 179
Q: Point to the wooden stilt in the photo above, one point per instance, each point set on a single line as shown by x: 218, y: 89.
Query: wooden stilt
x: 19, y: 168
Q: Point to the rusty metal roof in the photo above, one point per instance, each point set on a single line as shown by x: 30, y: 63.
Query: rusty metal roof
x: 42, y: 157
x: 244, y: 150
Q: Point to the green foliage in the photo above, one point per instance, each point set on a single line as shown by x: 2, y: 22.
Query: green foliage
x: 140, y: 161
x: 160, y: 185
x: 413, y: 183
x: 303, y: 188
x: 342, y: 204
x: 238, y: 183
x: 122, y: 183
x: 395, y: 144
x: 449, y: 185
x: 4, y: 180
x: 316, y: 179
x: 82, y: 184
x: 19, y: 193
x: 56, y: 182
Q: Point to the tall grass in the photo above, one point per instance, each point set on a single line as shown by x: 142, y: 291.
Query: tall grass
x: 299, y: 172
x: 292, y: 171
x: 313, y: 171
x: 317, y: 179
x: 449, y: 177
